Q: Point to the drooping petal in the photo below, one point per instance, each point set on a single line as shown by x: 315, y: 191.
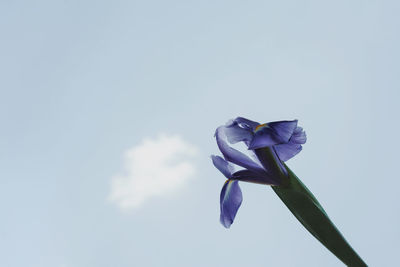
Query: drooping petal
x: 223, y: 166
x: 273, y: 133
x: 235, y: 133
x: 253, y: 177
x: 287, y: 151
x: 293, y: 147
x: 230, y: 201
x: 234, y: 155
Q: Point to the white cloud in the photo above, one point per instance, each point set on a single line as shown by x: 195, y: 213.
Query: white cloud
x: 153, y: 168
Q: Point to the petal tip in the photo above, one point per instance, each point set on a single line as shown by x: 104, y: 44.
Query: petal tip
x: 225, y: 224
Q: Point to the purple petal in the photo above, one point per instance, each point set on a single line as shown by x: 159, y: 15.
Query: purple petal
x: 287, y: 151
x: 230, y: 201
x: 299, y: 136
x: 235, y: 133
x: 253, y: 177
x: 273, y: 133
x: 284, y: 129
x: 245, y: 123
x: 223, y: 166
x: 234, y: 155
x: 263, y: 138
x: 293, y: 147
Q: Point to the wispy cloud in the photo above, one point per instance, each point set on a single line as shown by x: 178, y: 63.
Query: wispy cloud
x: 153, y: 168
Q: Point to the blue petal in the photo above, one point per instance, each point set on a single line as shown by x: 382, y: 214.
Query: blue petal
x: 273, y: 133
x: 263, y: 138
x: 223, y: 166
x: 293, y: 147
x: 253, y: 177
x: 234, y: 155
x: 299, y: 136
x: 245, y: 123
x: 235, y: 133
x: 284, y: 129
x: 230, y: 200
x: 287, y: 151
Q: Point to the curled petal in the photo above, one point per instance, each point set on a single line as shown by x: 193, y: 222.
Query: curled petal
x: 245, y: 123
x: 284, y: 129
x: 273, y: 133
x: 235, y: 133
x: 230, y: 201
x: 299, y: 136
x: 223, y: 166
x: 293, y: 147
x: 287, y: 151
x: 234, y: 155
x: 253, y: 177
x: 264, y: 138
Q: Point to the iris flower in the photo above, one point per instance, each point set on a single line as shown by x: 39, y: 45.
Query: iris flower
x: 282, y: 140
x: 269, y: 146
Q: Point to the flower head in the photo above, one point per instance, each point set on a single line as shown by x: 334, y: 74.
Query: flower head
x: 270, y: 144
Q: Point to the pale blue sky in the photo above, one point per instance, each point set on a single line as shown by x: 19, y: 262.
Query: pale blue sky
x: 83, y: 81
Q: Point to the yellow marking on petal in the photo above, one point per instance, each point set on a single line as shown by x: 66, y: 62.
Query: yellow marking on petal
x: 228, y: 188
x: 260, y: 126
x: 229, y: 182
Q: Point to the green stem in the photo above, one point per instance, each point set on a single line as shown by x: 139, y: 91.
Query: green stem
x: 302, y: 203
